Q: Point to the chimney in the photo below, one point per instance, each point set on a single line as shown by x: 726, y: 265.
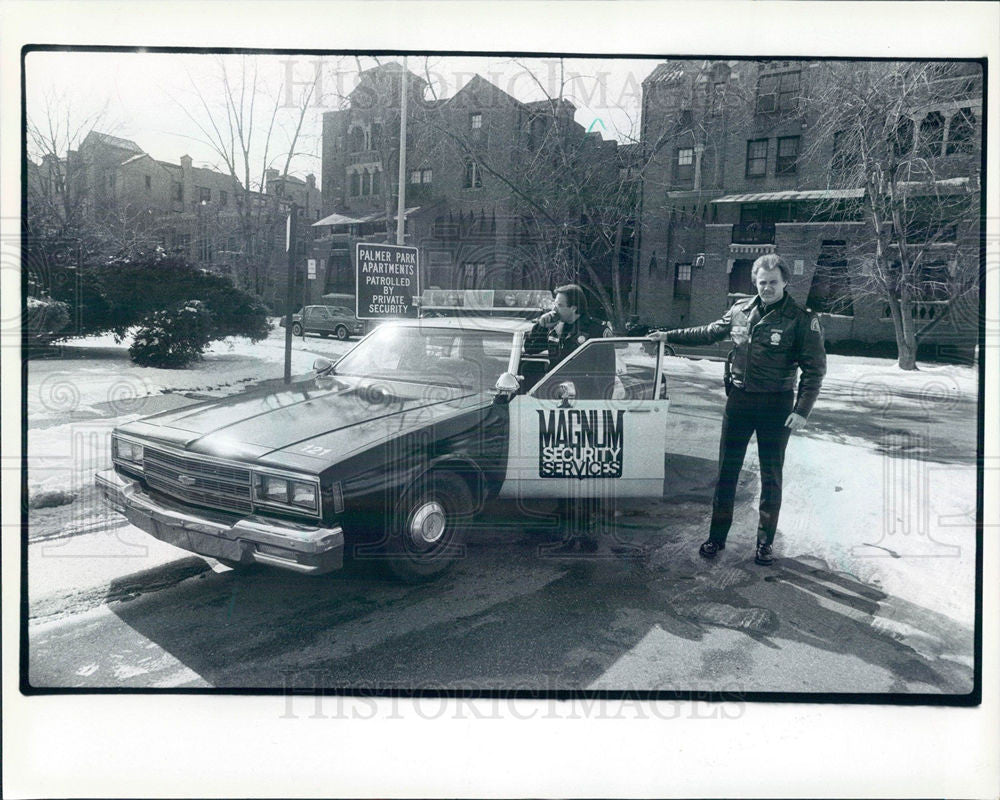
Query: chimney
x: 311, y: 181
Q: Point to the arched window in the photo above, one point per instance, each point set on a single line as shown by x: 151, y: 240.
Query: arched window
x: 355, y: 184
x: 357, y: 139
x: 902, y: 141
x: 366, y: 182
x: 377, y: 181
x: 932, y: 134
x: 376, y: 142
x: 962, y: 132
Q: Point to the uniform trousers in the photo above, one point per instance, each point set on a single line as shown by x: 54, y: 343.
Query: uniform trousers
x: 763, y: 413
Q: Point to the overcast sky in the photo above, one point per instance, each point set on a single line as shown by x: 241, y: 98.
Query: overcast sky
x: 153, y: 98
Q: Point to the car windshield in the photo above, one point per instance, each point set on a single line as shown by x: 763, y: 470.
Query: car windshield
x: 461, y: 358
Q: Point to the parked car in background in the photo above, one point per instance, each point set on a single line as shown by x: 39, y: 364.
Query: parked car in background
x: 338, y: 321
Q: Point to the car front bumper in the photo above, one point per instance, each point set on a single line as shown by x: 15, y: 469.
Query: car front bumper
x: 298, y: 547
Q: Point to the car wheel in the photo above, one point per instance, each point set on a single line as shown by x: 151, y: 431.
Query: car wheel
x: 668, y: 350
x: 342, y: 333
x: 296, y: 329
x: 428, y: 527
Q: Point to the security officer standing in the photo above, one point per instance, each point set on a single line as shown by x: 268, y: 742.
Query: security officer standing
x: 773, y: 337
x: 560, y: 331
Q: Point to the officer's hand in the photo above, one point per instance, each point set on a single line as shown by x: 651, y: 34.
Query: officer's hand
x: 795, y: 421
x: 657, y: 336
x: 549, y: 319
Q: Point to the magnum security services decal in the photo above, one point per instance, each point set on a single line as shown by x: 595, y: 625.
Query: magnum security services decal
x: 574, y: 443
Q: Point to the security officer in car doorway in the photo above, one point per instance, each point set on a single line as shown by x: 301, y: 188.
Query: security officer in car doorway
x: 565, y: 327
x: 560, y: 331
x: 773, y: 337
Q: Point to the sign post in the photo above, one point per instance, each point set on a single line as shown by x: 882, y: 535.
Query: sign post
x: 290, y: 289
x: 388, y: 279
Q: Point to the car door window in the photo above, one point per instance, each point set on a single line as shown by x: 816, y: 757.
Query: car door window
x: 605, y: 369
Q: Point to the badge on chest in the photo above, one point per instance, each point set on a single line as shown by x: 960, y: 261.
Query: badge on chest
x: 776, y: 336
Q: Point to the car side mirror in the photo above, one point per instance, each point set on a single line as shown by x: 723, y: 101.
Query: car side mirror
x: 566, y: 392
x: 323, y: 365
x: 506, y: 387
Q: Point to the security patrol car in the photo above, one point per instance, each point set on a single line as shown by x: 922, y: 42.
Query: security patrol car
x: 393, y: 449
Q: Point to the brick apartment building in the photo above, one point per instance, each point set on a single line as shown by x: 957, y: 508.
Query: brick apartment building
x: 734, y: 169
x: 183, y: 208
x: 474, y: 229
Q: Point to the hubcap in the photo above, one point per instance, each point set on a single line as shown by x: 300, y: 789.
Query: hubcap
x: 427, y: 524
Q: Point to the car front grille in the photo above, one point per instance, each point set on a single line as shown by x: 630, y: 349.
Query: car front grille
x: 198, y: 481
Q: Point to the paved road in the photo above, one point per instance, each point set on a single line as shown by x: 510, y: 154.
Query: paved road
x: 510, y: 617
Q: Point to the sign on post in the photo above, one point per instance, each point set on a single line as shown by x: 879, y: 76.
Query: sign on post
x: 388, y: 278
x: 311, y: 267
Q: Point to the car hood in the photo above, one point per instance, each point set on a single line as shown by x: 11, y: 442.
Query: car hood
x: 360, y: 411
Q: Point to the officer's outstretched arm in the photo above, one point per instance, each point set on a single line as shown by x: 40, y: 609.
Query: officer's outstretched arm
x: 700, y: 334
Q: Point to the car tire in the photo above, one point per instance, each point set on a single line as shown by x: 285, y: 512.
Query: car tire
x: 668, y: 350
x: 428, y: 527
x: 296, y: 329
x: 342, y: 333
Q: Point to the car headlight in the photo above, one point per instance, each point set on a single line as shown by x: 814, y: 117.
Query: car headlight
x: 281, y: 491
x: 125, y: 450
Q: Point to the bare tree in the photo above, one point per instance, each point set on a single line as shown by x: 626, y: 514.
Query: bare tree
x: 240, y: 117
x: 915, y: 176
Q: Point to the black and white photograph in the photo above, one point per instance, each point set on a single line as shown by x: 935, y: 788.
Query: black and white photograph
x: 428, y: 375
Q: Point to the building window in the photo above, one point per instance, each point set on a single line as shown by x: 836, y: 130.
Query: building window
x: 778, y: 92
x: 473, y: 175
x: 205, y: 249
x: 355, y: 184
x: 357, y: 140
x: 184, y: 241
x: 756, y: 158
x: 932, y: 133
x: 148, y: 181
x: 684, y: 169
x: 739, y: 278
x: 682, y: 280
x: 223, y: 198
x: 376, y: 135
x: 204, y: 195
x: 473, y: 275
x: 377, y: 181
x: 178, y: 192
x: 962, y: 132
x: 426, y: 175
x: 415, y: 176
x: 366, y: 183
x: 788, y: 154
x: 475, y: 120
x: 830, y: 290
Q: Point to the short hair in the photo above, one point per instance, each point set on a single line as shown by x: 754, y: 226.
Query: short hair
x: 770, y: 261
x: 574, y: 297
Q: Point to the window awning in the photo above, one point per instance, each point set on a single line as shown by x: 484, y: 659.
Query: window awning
x: 343, y: 219
x: 784, y: 197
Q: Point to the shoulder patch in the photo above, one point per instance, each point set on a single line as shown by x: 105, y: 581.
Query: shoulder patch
x: 815, y: 326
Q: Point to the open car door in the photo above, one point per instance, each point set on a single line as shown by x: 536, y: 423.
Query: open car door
x: 595, y: 426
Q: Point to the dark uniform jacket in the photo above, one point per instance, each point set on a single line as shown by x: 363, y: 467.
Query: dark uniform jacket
x: 561, y: 343
x: 765, y: 358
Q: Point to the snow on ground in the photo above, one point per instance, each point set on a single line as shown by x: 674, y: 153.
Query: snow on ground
x: 74, y: 401
x: 904, y: 523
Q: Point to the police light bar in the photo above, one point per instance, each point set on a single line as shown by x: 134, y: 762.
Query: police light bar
x: 489, y: 300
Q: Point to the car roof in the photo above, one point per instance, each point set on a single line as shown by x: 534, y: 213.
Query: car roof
x: 493, y: 324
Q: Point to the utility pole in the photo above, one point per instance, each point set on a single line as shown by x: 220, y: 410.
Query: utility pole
x: 401, y: 201
x: 290, y: 225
